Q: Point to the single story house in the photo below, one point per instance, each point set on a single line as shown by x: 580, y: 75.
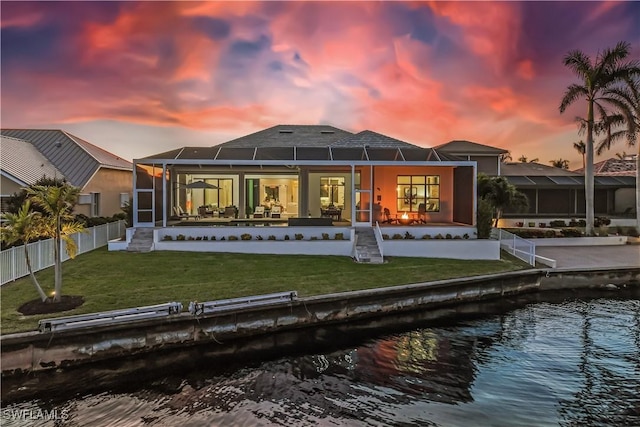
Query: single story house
x: 377, y: 195
x: 105, y: 180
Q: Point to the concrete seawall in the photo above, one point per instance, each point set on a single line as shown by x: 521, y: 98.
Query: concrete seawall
x: 35, y: 351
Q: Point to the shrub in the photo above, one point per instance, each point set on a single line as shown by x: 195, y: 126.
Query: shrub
x: 426, y: 237
x: 286, y: 237
x: 325, y: 236
x: 408, y: 236
x: 259, y: 237
x: 582, y: 223
x: 558, y: 223
x: 457, y: 237
x: 244, y: 236
x: 542, y: 225
x: 272, y: 237
x: 222, y: 238
x: 573, y: 223
x: 205, y: 238
x: 199, y: 238
x: 299, y: 236
x: 181, y: 237
x: 386, y: 237
x: 633, y: 232
x: 448, y: 236
x: 549, y: 233
x: 571, y: 232
x: 439, y: 236
x: 619, y: 230
x: 313, y: 238
x: 601, y: 220
x: 532, y: 224
x: 397, y: 236
x: 191, y: 238
x: 465, y: 236
x: 167, y: 238
x: 484, y: 218
x: 339, y: 236
x: 233, y: 237
x: 213, y: 237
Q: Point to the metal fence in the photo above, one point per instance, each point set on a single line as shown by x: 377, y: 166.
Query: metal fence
x: 14, y: 265
x: 516, y: 245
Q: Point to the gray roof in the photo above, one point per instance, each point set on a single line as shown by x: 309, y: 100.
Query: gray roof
x: 23, y: 163
x: 308, y: 143
x: 468, y: 148
x: 76, y: 158
x: 533, y: 169
x: 290, y: 136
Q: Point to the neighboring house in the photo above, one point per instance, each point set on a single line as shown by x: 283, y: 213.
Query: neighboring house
x: 21, y: 165
x: 623, y: 170
x: 307, y: 171
x: 554, y: 191
x: 105, y: 180
x: 488, y: 158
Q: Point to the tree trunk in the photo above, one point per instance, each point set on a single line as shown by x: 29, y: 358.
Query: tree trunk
x: 43, y: 296
x: 588, y: 171
x: 638, y: 187
x: 57, y: 266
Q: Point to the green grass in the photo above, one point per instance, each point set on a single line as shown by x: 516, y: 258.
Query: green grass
x: 112, y: 280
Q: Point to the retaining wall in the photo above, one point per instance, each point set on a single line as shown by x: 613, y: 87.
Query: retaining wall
x: 35, y: 351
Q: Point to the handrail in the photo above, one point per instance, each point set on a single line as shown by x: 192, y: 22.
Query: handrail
x: 379, y: 239
x: 512, y: 243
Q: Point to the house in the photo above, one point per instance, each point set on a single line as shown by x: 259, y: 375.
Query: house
x: 105, y: 180
x: 306, y: 171
x: 554, y: 191
x: 364, y: 195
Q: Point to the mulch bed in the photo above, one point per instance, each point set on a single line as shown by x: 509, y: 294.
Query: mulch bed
x: 36, y: 306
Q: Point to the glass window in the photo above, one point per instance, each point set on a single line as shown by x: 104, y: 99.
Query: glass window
x: 416, y: 190
x: 332, y: 192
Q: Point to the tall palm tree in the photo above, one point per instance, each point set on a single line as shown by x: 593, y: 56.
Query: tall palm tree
x: 524, y: 159
x: 24, y: 226
x: 597, y: 77
x: 581, y: 147
x: 57, y: 204
x: 627, y: 100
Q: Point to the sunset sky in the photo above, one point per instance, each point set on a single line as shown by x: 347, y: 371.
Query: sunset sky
x: 139, y: 78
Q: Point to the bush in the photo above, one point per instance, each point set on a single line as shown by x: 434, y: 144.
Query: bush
x: 601, y: 220
x: 167, y: 238
x: 205, y: 238
x: 386, y: 237
x: 181, y: 237
x: 439, y: 236
x: 259, y: 237
x: 191, y: 238
x: 313, y: 238
x: 286, y: 237
x: 457, y: 237
x: 465, y: 236
x: 244, y: 236
x: 549, y: 233
x: 426, y: 237
x: 397, y: 236
x: 272, y: 237
x: 325, y: 236
x: 408, y: 236
x: 299, y: 236
x: 484, y: 218
x: 339, y: 236
x: 633, y: 232
x: 571, y: 232
x: 558, y: 223
x: 448, y: 236
x: 199, y: 238
x: 233, y: 237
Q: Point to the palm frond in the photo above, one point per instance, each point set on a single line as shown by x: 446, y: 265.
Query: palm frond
x: 572, y: 93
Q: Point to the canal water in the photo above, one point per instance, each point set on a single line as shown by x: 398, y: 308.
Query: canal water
x: 570, y: 363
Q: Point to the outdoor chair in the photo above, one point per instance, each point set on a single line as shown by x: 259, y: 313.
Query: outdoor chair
x: 386, y: 214
x: 276, y: 211
x: 259, y: 212
x: 183, y: 214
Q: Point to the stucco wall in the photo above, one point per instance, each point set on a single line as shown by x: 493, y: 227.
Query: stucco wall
x: 109, y: 183
x: 9, y: 187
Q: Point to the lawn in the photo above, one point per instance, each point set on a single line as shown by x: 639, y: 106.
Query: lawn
x: 113, y: 280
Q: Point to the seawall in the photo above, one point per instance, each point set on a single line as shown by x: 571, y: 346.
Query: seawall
x: 35, y: 351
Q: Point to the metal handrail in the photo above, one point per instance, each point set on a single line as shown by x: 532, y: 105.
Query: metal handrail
x: 512, y: 243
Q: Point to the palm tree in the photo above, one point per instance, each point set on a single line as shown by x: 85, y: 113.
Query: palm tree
x: 627, y: 99
x: 581, y: 147
x: 596, y: 79
x: 501, y: 194
x: 24, y: 226
x: 57, y: 204
x: 560, y: 163
x: 506, y: 157
x: 524, y: 159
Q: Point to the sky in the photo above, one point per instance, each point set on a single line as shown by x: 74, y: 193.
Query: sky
x: 141, y: 78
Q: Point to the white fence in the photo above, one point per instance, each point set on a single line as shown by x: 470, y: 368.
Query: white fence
x: 14, y: 265
x: 515, y: 245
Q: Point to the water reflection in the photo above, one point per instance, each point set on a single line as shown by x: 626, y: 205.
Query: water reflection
x: 571, y: 363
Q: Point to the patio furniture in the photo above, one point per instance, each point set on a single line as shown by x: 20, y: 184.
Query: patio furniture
x: 276, y: 211
x: 230, y: 212
x: 182, y: 214
x: 422, y: 213
x: 386, y: 215
x: 333, y: 213
x: 259, y: 212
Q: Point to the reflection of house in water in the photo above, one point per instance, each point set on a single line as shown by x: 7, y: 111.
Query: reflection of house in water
x: 421, y: 363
